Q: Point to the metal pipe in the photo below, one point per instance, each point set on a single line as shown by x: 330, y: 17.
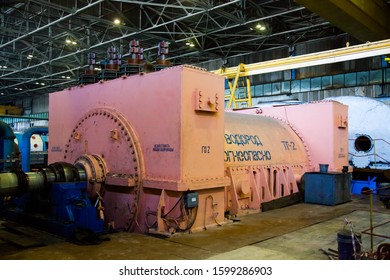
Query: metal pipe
x: 23, y: 117
x: 371, y: 228
x: 25, y: 145
x: 374, y: 153
x: 180, y: 6
x: 378, y: 235
x: 7, y: 137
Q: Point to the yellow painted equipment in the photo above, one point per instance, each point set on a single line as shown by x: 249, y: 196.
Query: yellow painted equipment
x: 10, y: 110
x: 264, y: 158
x: 234, y: 74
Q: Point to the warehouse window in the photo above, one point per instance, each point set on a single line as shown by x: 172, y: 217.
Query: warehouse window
x: 375, y: 76
x: 350, y: 79
x: 305, y: 85
x: 387, y: 75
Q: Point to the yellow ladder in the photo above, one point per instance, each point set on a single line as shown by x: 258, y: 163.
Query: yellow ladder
x: 240, y: 89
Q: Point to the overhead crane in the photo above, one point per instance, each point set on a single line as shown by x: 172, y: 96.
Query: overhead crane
x: 239, y: 75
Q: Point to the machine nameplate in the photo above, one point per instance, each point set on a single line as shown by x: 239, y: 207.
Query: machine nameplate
x: 162, y: 148
x: 56, y: 149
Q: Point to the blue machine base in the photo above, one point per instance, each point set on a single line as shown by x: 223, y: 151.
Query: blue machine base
x: 358, y: 186
x: 70, y: 209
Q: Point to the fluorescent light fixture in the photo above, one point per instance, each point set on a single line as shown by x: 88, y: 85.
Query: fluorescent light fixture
x: 260, y: 27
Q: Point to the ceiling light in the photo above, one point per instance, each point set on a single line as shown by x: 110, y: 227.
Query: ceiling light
x: 117, y: 21
x: 4, y: 67
x: 42, y: 84
x: 67, y: 77
x: 30, y: 56
x: 192, y: 45
x: 63, y: 77
x: 260, y: 27
x: 2, y: 93
x: 187, y: 43
x: 36, y: 83
x: 97, y: 69
x: 70, y: 41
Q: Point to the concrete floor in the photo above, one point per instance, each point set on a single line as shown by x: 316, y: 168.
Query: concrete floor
x: 296, y: 232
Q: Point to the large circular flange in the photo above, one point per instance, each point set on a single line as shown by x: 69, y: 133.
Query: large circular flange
x: 361, y: 160
x: 94, y: 171
x: 106, y: 145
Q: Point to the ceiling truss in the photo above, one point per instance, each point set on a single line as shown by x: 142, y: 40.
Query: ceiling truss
x: 34, y: 58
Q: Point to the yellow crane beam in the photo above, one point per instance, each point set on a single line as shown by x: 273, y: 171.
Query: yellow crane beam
x: 368, y: 49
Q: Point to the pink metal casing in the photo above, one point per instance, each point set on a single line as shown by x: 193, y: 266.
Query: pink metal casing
x: 323, y: 126
x: 158, y: 131
x: 147, y: 140
x: 264, y: 158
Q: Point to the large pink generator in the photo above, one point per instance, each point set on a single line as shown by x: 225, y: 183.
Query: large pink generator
x: 161, y: 154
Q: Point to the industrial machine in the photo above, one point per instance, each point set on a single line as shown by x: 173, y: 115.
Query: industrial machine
x: 368, y: 143
x: 158, y: 153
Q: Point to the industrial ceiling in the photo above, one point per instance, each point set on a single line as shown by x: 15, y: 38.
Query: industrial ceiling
x: 35, y: 58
